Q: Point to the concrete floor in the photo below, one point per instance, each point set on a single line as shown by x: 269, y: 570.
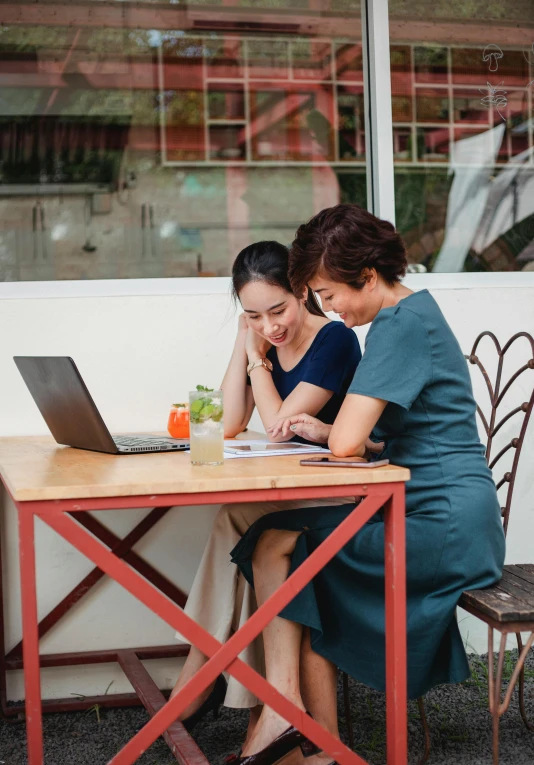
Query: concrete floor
x: 458, y: 717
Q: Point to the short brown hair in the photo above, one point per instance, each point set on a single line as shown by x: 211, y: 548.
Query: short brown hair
x: 341, y: 242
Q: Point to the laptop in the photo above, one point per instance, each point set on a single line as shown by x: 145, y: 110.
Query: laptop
x: 71, y: 414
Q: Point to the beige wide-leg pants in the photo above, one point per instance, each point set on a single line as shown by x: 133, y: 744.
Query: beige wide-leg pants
x: 221, y: 600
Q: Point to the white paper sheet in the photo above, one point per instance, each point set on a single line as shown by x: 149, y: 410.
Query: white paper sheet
x: 257, y: 447
x: 261, y: 443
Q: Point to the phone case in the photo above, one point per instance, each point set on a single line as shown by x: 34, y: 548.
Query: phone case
x: 327, y: 462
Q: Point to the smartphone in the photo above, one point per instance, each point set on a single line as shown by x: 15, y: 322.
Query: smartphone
x: 353, y: 462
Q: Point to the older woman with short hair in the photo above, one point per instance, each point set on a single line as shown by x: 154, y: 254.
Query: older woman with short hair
x: 411, y: 390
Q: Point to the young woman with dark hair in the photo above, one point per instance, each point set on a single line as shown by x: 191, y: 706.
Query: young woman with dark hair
x: 288, y: 357
x: 411, y: 390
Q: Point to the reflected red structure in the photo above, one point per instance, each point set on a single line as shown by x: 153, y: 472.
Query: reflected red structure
x: 231, y: 120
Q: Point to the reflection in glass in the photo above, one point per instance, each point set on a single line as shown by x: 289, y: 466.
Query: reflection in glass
x: 227, y: 142
x: 401, y: 83
x: 184, y: 125
x: 468, y: 107
x: 402, y: 144
x: 349, y: 63
x: 473, y: 157
x: 470, y: 138
x: 431, y: 64
x: 351, y: 122
x: 432, y: 105
x: 311, y: 60
x: 268, y: 59
x: 401, y: 107
x: 135, y: 150
x: 224, y: 57
x: 433, y: 144
x: 505, y: 232
x: 226, y: 101
x: 490, y: 62
x: 290, y: 124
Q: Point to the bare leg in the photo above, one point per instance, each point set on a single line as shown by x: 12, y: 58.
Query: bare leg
x: 221, y: 601
x: 255, y: 714
x: 195, y: 661
x: 300, y: 674
x: 282, y: 638
x: 318, y: 683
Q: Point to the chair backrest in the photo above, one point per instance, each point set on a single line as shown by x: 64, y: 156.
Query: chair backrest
x: 492, y: 425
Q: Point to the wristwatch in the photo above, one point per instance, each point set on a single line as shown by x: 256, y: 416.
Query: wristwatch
x: 265, y: 363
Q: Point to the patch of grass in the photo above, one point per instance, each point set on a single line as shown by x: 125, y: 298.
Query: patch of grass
x: 462, y: 737
x: 377, y: 740
x: 96, y: 707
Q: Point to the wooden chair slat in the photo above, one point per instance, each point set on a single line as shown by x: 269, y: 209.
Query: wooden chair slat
x: 521, y: 585
x: 518, y: 592
x: 522, y: 573
x: 499, y: 604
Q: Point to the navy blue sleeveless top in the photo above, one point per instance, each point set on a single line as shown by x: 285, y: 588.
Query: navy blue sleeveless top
x: 330, y: 363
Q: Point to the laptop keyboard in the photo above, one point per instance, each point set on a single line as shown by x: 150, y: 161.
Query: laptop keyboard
x: 152, y: 443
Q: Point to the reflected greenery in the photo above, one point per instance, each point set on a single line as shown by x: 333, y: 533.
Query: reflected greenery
x: 352, y: 186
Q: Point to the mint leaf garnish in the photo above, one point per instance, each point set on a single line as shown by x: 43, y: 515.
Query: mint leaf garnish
x: 204, y: 408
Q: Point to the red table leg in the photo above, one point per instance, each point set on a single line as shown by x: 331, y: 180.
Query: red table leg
x: 396, y: 682
x: 32, y: 679
x: 223, y: 657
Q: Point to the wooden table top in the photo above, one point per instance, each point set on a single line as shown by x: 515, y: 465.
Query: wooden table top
x: 36, y: 468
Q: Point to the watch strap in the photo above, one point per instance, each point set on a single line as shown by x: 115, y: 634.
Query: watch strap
x: 265, y: 363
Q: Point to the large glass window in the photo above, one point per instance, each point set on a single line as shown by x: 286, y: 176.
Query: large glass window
x: 140, y: 141
x: 462, y: 78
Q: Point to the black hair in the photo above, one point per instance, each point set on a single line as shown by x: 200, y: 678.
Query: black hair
x: 267, y: 262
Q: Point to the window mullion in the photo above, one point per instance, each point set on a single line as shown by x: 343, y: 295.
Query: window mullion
x: 378, y: 112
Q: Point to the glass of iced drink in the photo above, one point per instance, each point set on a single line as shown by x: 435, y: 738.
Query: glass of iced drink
x: 206, y: 430
x: 178, y: 423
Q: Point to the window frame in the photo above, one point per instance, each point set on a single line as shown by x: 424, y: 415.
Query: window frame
x: 219, y: 285
x: 380, y: 194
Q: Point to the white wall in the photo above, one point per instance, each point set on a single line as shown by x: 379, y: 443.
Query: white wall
x: 138, y: 354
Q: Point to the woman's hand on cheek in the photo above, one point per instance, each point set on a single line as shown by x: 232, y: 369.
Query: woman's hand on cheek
x: 256, y: 346
x: 242, y: 323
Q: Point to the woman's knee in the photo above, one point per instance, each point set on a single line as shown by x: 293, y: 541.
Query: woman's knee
x: 273, y: 544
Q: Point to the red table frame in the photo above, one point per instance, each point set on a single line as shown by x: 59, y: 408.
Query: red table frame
x: 122, y: 548
x: 57, y: 515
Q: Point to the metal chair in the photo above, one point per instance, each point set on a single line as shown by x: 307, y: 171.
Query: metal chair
x: 507, y: 607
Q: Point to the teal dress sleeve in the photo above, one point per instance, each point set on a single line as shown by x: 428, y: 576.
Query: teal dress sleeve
x: 397, y: 363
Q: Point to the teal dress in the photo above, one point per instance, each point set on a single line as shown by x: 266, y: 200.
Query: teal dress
x: 454, y: 535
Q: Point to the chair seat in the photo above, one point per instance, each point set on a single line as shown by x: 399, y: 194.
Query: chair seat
x: 511, y: 600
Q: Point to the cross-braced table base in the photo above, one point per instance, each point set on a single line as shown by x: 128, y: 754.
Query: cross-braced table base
x: 122, y: 548
x: 57, y: 514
